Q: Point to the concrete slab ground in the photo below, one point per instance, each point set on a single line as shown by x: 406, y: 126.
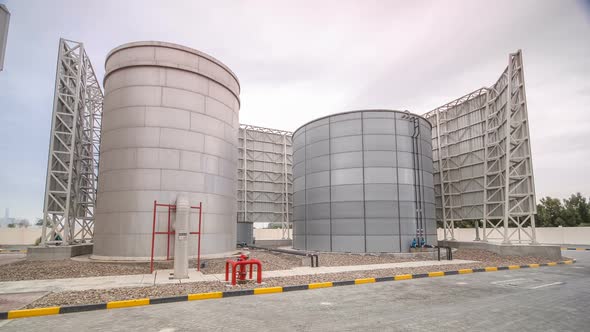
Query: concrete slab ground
x: 58, y: 252
x: 552, y: 252
x: 585, y: 246
x: 12, y: 301
x: 274, y: 243
x: 163, y: 277
x: 544, y: 299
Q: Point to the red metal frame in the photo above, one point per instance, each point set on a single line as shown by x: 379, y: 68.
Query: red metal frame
x: 172, y: 207
x: 240, y: 266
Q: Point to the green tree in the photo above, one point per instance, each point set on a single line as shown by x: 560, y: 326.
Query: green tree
x: 573, y: 211
x: 39, y: 222
x: 550, y: 213
x: 577, y: 210
x: 23, y: 223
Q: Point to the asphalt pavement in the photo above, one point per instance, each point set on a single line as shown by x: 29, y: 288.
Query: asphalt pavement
x: 541, y: 299
x: 11, y: 257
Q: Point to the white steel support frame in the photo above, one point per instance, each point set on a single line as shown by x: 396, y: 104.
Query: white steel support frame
x: 510, y: 190
x: 458, y: 155
x: 266, y: 175
x: 72, y: 166
x: 483, y: 160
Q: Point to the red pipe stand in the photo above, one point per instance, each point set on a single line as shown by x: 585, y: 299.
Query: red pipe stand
x: 239, y: 269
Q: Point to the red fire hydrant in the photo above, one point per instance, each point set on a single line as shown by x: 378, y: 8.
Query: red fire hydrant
x: 239, y: 267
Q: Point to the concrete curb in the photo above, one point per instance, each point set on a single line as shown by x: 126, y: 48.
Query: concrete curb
x: 22, y: 251
x: 12, y: 314
x: 574, y: 248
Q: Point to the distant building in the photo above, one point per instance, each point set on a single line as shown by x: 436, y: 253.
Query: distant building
x: 4, y: 20
x: 4, y: 222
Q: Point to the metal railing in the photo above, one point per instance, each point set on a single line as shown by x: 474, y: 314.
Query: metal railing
x: 315, y: 262
x: 449, y: 252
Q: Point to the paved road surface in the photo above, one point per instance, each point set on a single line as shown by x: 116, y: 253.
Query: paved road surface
x: 543, y: 299
x: 7, y: 258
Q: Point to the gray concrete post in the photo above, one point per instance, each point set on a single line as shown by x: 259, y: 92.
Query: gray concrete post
x: 180, y: 227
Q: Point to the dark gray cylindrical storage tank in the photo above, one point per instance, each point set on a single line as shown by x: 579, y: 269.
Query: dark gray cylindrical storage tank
x: 170, y: 126
x: 362, y: 182
x: 245, y: 233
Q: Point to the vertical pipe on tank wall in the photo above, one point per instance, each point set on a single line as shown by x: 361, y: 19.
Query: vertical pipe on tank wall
x: 363, y: 177
x: 417, y: 179
x: 419, y: 170
x: 396, y: 167
x: 330, y: 181
x: 285, y: 192
x: 245, y: 177
x: 305, y: 187
x: 415, y: 171
x: 421, y: 176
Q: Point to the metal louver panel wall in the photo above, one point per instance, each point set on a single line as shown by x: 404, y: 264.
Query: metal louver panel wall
x: 265, y: 176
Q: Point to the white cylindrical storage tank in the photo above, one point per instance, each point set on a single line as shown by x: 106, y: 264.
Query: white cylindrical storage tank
x: 169, y: 126
x: 362, y: 182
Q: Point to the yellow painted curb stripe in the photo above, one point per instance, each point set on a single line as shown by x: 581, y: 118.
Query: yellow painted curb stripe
x: 214, y: 295
x: 580, y: 249
x: 403, y: 277
x: 205, y: 296
x: 364, y: 281
x: 33, y: 312
x: 127, y: 303
x: 268, y: 290
x: 320, y: 285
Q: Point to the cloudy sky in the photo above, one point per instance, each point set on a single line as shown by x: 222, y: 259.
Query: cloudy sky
x: 298, y: 60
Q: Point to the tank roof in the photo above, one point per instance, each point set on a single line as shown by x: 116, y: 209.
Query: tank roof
x: 172, y: 46
x: 360, y: 111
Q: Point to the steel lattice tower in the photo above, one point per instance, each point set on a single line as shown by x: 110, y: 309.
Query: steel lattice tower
x: 72, y: 167
x: 482, y: 159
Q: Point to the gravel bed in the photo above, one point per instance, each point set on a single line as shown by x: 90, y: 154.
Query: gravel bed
x: 99, y: 296
x: 34, y: 270
x: 271, y: 261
